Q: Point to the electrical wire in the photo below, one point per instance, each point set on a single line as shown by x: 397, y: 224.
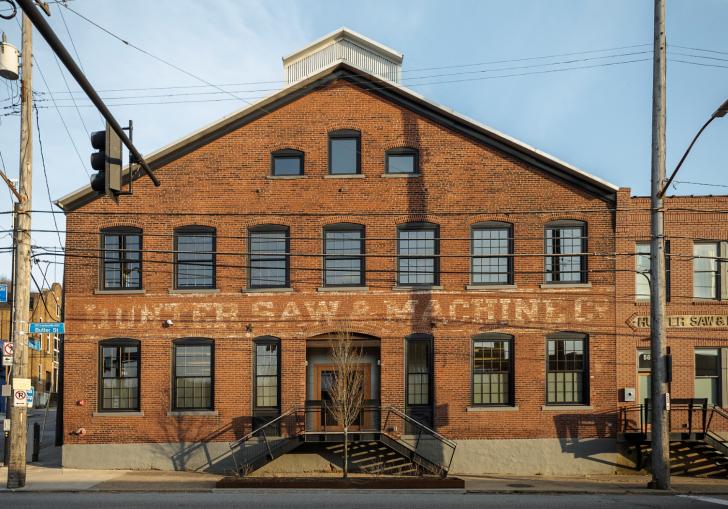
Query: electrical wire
x: 45, y: 175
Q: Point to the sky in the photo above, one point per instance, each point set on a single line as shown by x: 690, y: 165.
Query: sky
x: 588, y: 103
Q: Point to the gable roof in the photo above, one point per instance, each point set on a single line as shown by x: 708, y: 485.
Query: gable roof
x: 389, y: 90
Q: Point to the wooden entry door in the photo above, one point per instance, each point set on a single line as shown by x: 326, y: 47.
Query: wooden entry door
x: 324, y: 375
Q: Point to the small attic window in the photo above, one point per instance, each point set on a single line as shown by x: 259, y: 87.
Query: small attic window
x: 286, y: 163
x: 344, y: 152
x: 402, y: 160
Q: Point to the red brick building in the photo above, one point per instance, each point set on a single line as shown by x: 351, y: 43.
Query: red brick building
x: 478, y: 274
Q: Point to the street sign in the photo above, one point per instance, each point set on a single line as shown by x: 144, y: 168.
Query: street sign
x: 30, y: 393
x: 8, y: 349
x: 47, y: 328
x: 3, y: 292
x: 21, y: 384
x: 20, y: 398
x: 34, y: 344
x: 7, y: 360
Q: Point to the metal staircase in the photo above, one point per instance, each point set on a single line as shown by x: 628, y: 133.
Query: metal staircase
x: 426, y: 449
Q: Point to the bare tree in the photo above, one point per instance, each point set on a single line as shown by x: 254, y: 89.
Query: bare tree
x: 347, y: 390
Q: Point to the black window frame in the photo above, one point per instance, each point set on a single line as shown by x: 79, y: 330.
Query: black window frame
x: 555, y: 257
x: 122, y: 232
x: 493, y: 225
x: 286, y: 153
x: 428, y: 340
x: 195, y: 230
x: 418, y: 226
x: 270, y: 228
x: 345, y: 134
x: 345, y: 227
x: 193, y: 341
x: 494, y: 337
x: 403, y: 151
x: 119, y: 343
x: 585, y: 392
x: 266, y: 340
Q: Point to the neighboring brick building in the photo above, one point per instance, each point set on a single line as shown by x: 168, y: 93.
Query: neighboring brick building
x: 477, y: 273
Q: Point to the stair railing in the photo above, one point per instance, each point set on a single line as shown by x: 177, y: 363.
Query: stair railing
x: 267, y: 439
x: 419, y: 439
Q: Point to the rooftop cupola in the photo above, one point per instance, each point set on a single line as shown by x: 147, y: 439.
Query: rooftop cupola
x: 344, y: 45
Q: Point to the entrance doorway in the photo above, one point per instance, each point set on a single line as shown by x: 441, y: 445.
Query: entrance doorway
x: 324, y: 379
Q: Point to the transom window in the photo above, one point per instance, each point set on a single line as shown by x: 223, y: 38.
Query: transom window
x: 707, y: 280
x: 566, y: 252
x: 344, y: 255
x: 492, y: 254
x: 417, y: 252
x: 194, y: 257
x: 267, y: 372
x: 269, y: 257
x: 119, y: 376
x: 492, y: 370
x: 122, y: 258
x: 344, y: 152
x: 402, y: 160
x: 286, y: 163
x: 567, y: 370
x: 193, y: 374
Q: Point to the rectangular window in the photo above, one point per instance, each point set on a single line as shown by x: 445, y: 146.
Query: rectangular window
x: 193, y: 376
x: 269, y: 259
x: 418, y: 372
x: 343, y: 257
x: 195, y: 259
x: 417, y: 250
x: 707, y: 375
x: 566, y: 372
x: 706, y: 270
x: 565, y: 258
x: 344, y: 153
x: 266, y: 375
x: 492, y: 251
x: 122, y: 260
x: 119, y: 377
x: 287, y: 163
x: 642, y: 271
x: 492, y: 370
x: 402, y: 160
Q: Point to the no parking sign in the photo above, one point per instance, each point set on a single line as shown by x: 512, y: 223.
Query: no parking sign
x: 20, y: 398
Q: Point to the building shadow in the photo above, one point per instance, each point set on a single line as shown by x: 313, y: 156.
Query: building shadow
x: 588, y: 435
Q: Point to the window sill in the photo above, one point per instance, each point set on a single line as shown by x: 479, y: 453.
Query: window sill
x: 119, y: 414
x: 139, y: 291
x: 485, y: 288
x: 186, y: 291
x: 177, y: 413
x: 400, y: 175
x: 345, y: 176
x: 416, y: 288
x: 493, y: 408
x: 287, y: 289
x: 555, y: 286
x: 711, y: 302
x: 284, y: 177
x: 343, y: 289
x: 642, y: 302
x: 564, y: 408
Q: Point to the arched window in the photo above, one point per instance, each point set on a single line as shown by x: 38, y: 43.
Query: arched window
x: 566, y: 244
x: 194, y: 258
x: 344, y: 255
x: 417, y: 254
x: 119, y: 369
x: 492, y: 253
x: 121, y: 264
x: 287, y: 162
x: 493, y: 369
x: 344, y: 152
x: 268, y: 246
x: 402, y: 160
x: 193, y: 374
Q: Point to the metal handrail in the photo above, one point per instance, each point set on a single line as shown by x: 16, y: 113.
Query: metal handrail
x: 258, y: 430
x: 420, y: 425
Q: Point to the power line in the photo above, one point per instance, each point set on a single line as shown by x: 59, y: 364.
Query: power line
x: 45, y: 175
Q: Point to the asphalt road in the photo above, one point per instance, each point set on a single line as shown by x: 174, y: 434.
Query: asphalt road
x: 349, y: 499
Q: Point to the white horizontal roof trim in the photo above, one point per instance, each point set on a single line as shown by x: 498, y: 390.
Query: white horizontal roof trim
x: 260, y: 104
x: 340, y: 33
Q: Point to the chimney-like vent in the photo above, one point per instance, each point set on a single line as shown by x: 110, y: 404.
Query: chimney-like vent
x: 344, y: 45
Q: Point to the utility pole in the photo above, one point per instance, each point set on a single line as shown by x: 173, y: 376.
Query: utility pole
x: 21, y: 297
x: 659, y: 400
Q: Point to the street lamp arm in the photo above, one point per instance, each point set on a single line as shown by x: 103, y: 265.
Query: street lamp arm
x: 685, y: 155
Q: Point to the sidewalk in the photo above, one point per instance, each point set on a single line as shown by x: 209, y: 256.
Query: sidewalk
x: 41, y: 478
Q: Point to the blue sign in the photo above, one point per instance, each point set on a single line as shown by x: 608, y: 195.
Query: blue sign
x: 47, y: 328
x: 29, y: 398
x: 35, y: 344
x: 3, y: 292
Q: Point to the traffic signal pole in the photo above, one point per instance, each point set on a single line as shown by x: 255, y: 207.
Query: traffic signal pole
x: 21, y: 242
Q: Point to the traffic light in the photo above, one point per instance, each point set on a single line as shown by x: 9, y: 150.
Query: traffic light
x: 106, y: 161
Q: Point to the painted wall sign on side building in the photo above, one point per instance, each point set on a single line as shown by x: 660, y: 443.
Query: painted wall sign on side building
x: 47, y: 328
x: 683, y: 321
